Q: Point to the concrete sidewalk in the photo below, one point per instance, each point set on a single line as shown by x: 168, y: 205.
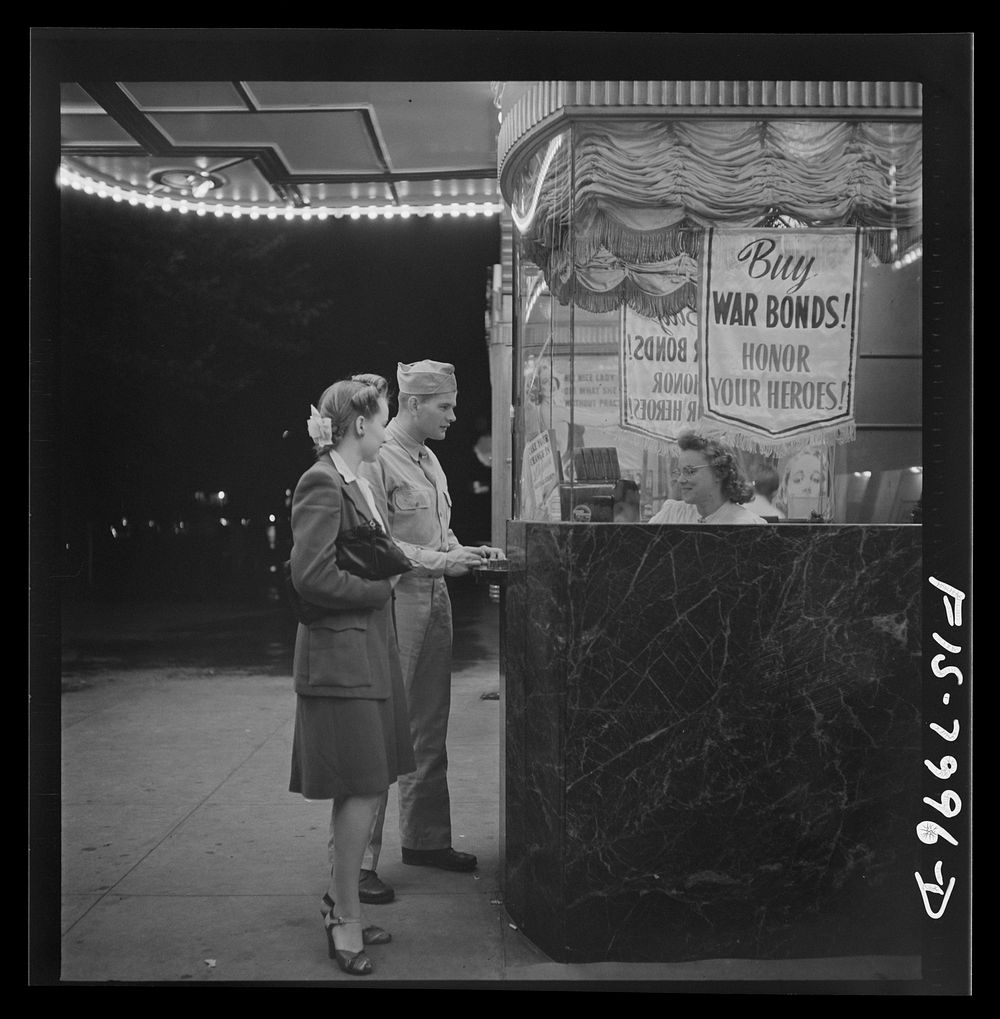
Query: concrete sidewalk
x: 186, y: 859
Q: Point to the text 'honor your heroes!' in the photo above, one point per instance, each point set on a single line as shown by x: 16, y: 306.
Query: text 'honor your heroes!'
x: 777, y: 337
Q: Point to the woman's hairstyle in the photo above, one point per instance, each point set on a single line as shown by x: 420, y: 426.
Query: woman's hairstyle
x: 724, y: 464
x: 344, y: 401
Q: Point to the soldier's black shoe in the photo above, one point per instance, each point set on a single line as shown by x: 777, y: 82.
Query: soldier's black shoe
x: 372, y: 891
x: 445, y: 859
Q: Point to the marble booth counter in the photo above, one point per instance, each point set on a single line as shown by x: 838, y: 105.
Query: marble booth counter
x: 711, y: 740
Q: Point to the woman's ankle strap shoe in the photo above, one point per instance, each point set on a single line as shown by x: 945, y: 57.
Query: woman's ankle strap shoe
x: 355, y: 963
x: 369, y: 935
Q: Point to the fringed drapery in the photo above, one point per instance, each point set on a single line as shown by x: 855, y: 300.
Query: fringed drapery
x: 605, y: 282
x: 646, y: 190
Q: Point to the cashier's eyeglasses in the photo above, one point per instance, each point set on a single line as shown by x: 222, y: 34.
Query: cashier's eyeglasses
x: 687, y: 472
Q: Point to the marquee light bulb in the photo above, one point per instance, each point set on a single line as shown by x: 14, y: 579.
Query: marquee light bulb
x: 135, y: 195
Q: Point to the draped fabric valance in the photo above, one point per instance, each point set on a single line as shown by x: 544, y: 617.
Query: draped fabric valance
x: 602, y: 283
x: 645, y: 191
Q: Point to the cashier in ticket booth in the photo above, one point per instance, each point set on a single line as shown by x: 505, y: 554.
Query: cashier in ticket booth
x: 712, y: 487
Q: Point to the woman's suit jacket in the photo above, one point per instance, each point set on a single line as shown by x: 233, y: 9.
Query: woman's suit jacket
x: 349, y: 651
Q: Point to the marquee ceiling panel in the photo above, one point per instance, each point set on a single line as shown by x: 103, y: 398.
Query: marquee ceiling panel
x: 289, y: 147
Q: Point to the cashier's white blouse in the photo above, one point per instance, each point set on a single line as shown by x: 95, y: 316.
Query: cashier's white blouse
x: 675, y: 511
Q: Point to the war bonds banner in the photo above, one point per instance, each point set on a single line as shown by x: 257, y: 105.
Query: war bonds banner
x: 659, y: 374
x: 779, y: 313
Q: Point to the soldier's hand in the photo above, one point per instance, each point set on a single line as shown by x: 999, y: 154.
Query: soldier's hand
x: 489, y: 552
x: 460, y: 560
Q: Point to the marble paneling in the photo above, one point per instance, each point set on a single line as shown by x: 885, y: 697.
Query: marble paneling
x: 712, y: 740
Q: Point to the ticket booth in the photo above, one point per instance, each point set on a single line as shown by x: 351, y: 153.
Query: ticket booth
x: 711, y: 733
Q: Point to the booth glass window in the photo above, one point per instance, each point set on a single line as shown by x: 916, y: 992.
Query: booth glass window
x: 631, y: 238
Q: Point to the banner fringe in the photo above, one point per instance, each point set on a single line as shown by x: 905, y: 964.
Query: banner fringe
x: 773, y: 446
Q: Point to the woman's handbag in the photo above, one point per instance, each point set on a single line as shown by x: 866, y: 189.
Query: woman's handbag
x: 367, y: 552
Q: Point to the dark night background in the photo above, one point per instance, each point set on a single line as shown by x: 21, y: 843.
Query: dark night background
x: 190, y: 347
x: 168, y: 354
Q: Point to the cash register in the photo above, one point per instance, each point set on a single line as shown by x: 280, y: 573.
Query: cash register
x: 598, y: 493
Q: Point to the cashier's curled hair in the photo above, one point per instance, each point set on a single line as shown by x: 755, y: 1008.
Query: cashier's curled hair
x: 344, y: 402
x: 725, y: 465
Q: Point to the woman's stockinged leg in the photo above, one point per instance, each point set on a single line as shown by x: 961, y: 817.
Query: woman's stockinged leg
x: 352, y: 824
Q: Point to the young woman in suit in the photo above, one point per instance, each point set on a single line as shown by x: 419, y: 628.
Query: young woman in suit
x: 352, y: 735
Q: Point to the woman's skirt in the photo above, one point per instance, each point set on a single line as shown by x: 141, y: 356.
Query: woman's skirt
x: 350, y: 746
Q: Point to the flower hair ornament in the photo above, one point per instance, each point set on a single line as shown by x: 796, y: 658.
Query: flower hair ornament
x: 319, y: 428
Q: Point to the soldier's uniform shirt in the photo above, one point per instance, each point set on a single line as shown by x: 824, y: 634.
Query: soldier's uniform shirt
x: 416, y: 492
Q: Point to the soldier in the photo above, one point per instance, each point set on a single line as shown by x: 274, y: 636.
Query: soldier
x: 410, y: 477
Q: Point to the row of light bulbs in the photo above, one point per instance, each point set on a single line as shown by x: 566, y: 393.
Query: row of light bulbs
x: 911, y: 256
x: 67, y: 178
x: 868, y: 474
